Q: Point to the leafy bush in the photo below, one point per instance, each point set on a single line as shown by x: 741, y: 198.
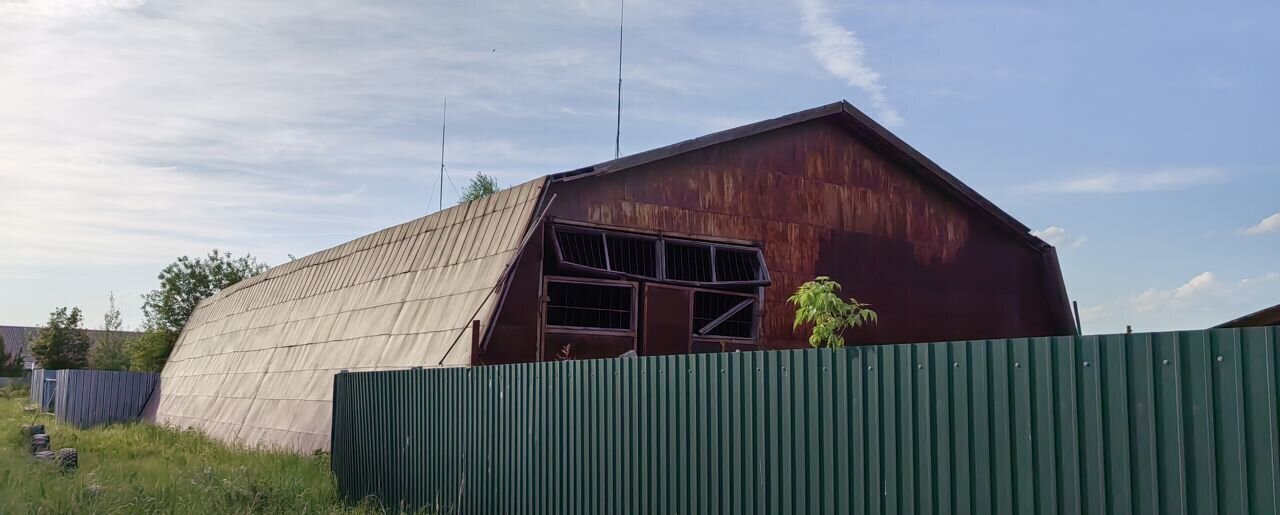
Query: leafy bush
x: 817, y: 303
x: 480, y: 187
x: 62, y: 343
x: 187, y: 281
x: 149, y: 352
x: 183, y: 284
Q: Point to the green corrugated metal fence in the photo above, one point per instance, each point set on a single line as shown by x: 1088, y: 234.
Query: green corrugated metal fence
x: 1145, y: 423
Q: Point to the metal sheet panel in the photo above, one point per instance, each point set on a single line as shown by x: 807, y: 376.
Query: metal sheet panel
x: 262, y: 352
x: 42, y: 388
x: 823, y: 200
x: 88, y: 398
x: 1181, y: 422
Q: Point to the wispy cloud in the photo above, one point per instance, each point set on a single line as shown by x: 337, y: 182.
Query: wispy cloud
x: 1268, y: 224
x: 1058, y: 237
x: 1201, y: 301
x: 1164, y: 179
x: 134, y: 132
x: 841, y: 52
x: 1203, y: 284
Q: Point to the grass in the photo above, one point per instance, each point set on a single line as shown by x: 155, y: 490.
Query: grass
x: 139, y: 468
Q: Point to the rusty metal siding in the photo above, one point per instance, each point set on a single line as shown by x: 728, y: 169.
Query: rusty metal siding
x: 823, y: 202
x: 88, y: 398
x: 1261, y: 318
x: 1181, y: 422
x: 513, y: 337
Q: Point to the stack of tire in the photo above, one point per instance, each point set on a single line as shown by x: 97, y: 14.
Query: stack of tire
x: 66, y: 459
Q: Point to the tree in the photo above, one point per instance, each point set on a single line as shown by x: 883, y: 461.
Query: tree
x: 817, y: 303
x: 10, y: 364
x: 108, y: 351
x: 62, y: 344
x: 149, y: 351
x: 480, y: 187
x: 183, y: 284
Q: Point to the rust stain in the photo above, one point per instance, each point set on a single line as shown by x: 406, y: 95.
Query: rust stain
x: 821, y: 202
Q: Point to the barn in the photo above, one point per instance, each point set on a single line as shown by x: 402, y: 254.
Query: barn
x: 688, y: 248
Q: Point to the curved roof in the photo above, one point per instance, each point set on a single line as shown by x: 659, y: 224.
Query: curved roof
x: 255, y: 363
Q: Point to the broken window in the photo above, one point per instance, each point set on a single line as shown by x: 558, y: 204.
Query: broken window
x: 636, y: 255
x: 737, y: 265
x: 633, y: 255
x: 688, y: 262
x: 589, y: 305
x: 724, y: 315
x: 581, y: 248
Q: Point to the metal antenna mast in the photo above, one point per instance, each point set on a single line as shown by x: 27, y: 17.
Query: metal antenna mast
x: 617, y: 135
x: 444, y: 120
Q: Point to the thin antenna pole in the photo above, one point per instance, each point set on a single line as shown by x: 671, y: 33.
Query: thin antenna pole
x: 617, y: 135
x: 444, y: 121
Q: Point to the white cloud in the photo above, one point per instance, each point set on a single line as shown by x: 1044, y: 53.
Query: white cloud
x: 1268, y: 224
x: 1058, y: 237
x: 841, y: 52
x: 1203, y: 284
x: 135, y: 132
x: 132, y: 132
x: 1131, y: 181
x: 30, y: 10
x: 1202, y: 301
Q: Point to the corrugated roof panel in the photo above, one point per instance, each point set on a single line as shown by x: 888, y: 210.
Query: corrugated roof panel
x: 264, y: 351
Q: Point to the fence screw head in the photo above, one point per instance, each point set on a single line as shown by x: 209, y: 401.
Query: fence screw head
x: 955, y: 365
x: 1219, y: 359
x: 871, y: 368
x: 1166, y: 362
x: 1017, y: 365
x: 919, y: 366
x: 1086, y: 364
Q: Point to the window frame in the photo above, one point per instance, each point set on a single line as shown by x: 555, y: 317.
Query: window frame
x: 555, y: 239
x: 660, y: 242
x: 750, y: 301
x: 633, y: 319
x: 658, y: 263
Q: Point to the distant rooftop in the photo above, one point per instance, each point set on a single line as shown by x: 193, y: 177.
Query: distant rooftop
x: 1261, y: 318
x: 16, y: 337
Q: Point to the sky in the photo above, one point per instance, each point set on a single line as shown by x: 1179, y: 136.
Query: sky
x: 1140, y: 139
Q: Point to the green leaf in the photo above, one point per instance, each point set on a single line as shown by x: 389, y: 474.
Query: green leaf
x: 818, y: 304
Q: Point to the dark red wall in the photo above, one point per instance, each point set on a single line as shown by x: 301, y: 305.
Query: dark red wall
x: 823, y: 203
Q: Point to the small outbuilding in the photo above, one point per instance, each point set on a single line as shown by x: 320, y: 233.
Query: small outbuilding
x: 693, y: 247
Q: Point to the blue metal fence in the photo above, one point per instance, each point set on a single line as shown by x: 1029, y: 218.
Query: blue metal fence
x: 91, y: 397
x: 43, y: 385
